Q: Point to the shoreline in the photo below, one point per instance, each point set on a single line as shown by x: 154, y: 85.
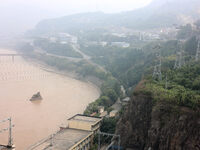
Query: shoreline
x: 39, y: 64
x: 93, y: 81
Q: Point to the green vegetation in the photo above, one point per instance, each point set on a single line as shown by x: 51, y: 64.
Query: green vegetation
x: 185, y: 32
x: 108, y: 126
x: 183, y: 84
x: 25, y: 47
x: 132, y: 65
x: 110, y: 93
x: 183, y: 87
x: 86, y: 69
x: 56, y: 48
x: 110, y: 87
x: 128, y: 66
x: 59, y: 63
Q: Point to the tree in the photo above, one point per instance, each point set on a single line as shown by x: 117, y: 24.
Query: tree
x: 191, y: 46
x: 197, y: 23
x: 111, y: 94
x: 185, y: 32
x: 105, y: 101
x: 196, y: 84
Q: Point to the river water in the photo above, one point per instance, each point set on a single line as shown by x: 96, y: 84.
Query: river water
x: 63, y: 97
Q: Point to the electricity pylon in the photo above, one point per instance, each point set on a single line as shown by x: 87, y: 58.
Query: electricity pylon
x: 179, y: 57
x: 166, y: 83
x: 198, y: 50
x: 157, y: 68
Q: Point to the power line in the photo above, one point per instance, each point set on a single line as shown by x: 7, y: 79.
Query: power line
x: 107, y: 134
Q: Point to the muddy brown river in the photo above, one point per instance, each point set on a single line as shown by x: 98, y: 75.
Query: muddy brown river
x: 63, y: 97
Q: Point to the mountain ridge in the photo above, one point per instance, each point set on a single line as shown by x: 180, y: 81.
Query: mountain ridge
x: 157, y: 14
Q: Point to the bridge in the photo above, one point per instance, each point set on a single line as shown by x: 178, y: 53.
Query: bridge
x: 11, y: 55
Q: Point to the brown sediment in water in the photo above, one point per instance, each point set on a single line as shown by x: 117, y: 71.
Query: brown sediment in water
x: 62, y: 96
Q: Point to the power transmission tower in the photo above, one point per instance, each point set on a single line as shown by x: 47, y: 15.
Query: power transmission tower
x: 166, y: 83
x: 179, y: 57
x: 157, y: 68
x: 198, y: 50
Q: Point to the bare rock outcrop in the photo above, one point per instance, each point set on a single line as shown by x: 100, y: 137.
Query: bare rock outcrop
x: 147, y: 124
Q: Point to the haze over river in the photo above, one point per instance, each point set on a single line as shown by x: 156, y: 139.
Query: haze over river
x: 63, y: 97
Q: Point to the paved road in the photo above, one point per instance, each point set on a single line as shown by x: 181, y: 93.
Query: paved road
x: 76, y: 47
x: 74, y: 59
x: 87, y: 57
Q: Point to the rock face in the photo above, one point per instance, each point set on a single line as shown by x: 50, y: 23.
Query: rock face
x: 158, y: 125
x: 36, y: 96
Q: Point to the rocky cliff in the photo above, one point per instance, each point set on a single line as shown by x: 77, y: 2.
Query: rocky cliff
x: 160, y: 125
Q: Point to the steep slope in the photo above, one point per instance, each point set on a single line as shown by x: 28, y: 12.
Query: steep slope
x: 158, y: 125
x: 165, y: 114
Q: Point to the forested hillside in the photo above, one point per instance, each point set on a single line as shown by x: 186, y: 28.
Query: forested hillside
x: 158, y: 14
x: 164, y: 112
x: 161, y: 75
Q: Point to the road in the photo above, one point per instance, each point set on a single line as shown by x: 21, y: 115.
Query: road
x: 76, y: 47
x: 38, y: 50
x: 87, y: 57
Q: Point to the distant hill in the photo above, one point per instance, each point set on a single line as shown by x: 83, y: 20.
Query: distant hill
x: 159, y: 13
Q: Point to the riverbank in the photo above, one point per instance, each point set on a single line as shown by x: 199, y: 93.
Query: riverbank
x: 109, y: 87
x: 69, y: 73
x: 63, y: 97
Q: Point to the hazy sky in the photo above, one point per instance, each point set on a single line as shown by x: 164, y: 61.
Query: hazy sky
x: 23, y: 14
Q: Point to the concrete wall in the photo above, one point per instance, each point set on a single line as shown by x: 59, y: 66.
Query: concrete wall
x: 74, y: 124
x: 84, y: 144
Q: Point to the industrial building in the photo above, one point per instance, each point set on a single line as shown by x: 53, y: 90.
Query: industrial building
x: 77, y: 136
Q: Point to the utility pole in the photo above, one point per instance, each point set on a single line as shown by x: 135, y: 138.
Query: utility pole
x: 51, y: 140
x: 157, y: 68
x: 107, y: 134
x: 10, y: 139
x: 179, y: 57
x: 99, y: 141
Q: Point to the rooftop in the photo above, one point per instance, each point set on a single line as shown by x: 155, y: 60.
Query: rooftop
x: 83, y: 118
x: 80, y: 127
x: 65, y: 139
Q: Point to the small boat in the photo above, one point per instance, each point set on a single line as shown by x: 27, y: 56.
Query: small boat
x: 36, y: 97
